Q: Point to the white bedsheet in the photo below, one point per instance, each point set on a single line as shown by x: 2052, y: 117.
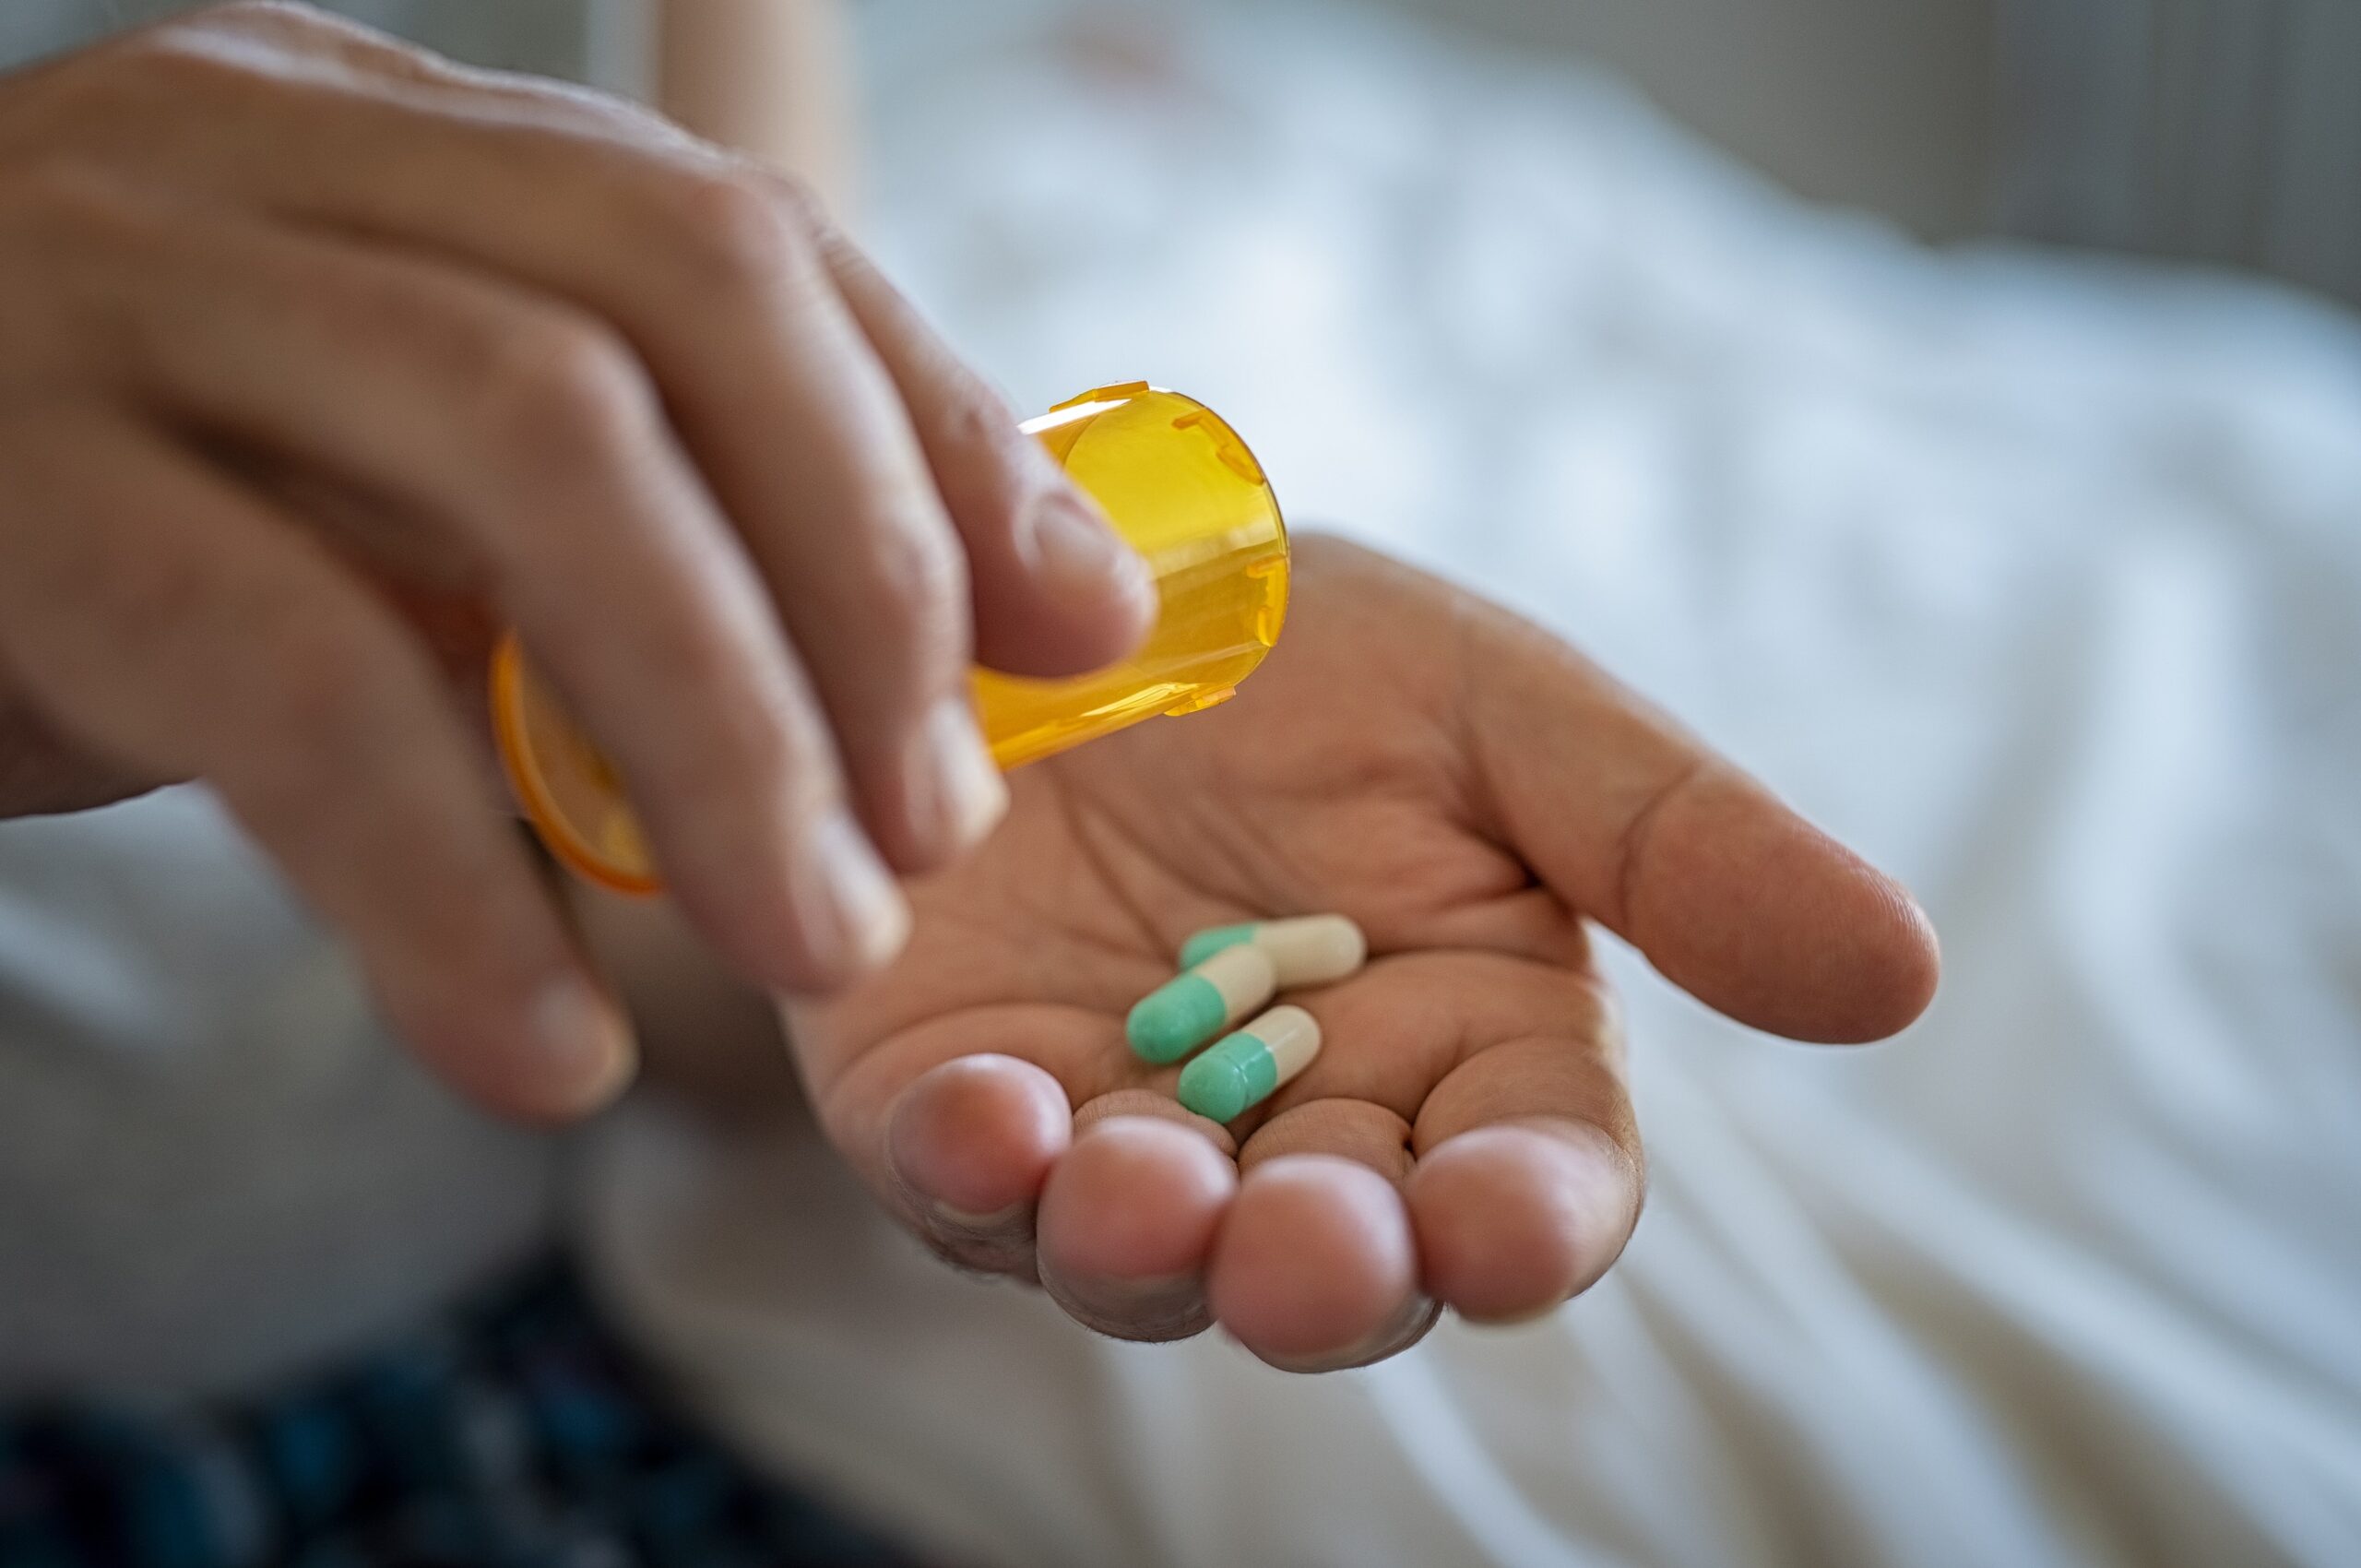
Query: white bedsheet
x: 2038, y: 579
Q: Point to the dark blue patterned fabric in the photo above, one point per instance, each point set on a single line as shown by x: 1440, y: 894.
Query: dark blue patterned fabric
x: 516, y: 1434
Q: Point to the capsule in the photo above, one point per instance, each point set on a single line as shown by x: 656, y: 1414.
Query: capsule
x: 1192, y: 1008
x: 1305, y: 950
x: 1245, y: 1069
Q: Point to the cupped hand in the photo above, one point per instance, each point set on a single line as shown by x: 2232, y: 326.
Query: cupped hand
x: 1477, y: 796
x: 324, y: 358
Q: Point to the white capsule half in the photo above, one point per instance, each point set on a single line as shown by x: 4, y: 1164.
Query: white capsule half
x: 1303, y: 950
x: 1243, y: 983
x: 1195, y: 1006
x: 1291, y: 1036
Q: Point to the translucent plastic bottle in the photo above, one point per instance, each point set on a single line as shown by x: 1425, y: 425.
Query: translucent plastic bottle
x: 1178, y: 484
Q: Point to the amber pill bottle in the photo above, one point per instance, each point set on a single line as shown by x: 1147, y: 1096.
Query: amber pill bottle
x: 1178, y: 483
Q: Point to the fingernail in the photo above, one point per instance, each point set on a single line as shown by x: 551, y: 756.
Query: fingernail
x: 1153, y: 1307
x: 854, y: 918
x: 1075, y: 553
x: 955, y: 795
x: 1398, y: 1332
x: 1000, y: 1242
x: 583, y: 1046
x: 1000, y: 1222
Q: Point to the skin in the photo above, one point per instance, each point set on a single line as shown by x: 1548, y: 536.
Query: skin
x: 329, y: 357
x: 1480, y: 798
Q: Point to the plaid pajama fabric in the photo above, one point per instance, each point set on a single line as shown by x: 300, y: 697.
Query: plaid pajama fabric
x: 515, y: 1433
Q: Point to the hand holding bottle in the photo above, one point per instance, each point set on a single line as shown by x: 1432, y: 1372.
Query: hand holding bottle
x: 327, y: 357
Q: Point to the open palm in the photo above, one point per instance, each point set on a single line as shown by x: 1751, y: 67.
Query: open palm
x: 1471, y: 792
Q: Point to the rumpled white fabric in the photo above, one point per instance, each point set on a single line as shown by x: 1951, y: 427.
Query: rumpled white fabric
x: 2037, y: 579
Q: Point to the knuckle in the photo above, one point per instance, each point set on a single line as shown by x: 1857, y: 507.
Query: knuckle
x: 558, y: 393
x: 801, y: 204
x: 917, y: 583
x: 254, y: 13
x: 188, y: 57
x: 697, y: 655
x: 120, y: 87
x: 329, y: 678
x: 734, y: 231
x: 973, y: 418
x: 56, y: 196
x: 305, y: 30
x: 775, y: 750
x: 224, y: 52
x: 265, y: 20
x: 973, y: 421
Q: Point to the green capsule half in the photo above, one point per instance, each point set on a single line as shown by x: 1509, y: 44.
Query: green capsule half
x: 1191, y: 1008
x: 1246, y: 1068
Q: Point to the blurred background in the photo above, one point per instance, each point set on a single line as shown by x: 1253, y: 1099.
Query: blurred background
x: 2219, y: 130
x: 2224, y: 130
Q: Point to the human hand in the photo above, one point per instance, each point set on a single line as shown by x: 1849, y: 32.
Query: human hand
x: 1471, y: 792
x: 325, y: 357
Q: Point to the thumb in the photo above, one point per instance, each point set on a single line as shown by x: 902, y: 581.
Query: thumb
x: 1730, y: 895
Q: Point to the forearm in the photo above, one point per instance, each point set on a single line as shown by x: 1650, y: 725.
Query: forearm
x: 768, y: 77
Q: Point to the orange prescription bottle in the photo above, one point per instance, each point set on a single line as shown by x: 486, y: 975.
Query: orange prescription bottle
x: 1178, y: 483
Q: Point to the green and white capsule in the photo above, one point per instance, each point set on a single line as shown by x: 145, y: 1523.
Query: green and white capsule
x: 1247, y: 1068
x: 1185, y: 1011
x: 1305, y: 950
